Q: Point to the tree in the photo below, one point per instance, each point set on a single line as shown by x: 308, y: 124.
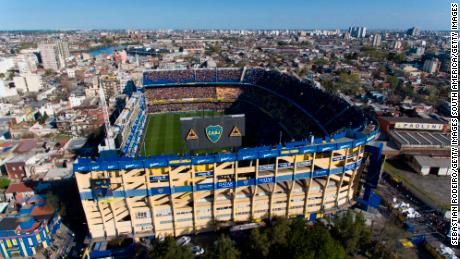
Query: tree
x: 119, y: 241
x: 225, y: 249
x: 259, y: 243
x: 4, y: 182
x: 394, y: 81
x: 49, y: 72
x: 168, y: 249
x: 350, y: 229
x: 312, y: 242
x: 396, y: 57
x: 280, y: 231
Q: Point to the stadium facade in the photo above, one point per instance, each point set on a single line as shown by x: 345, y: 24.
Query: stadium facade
x: 179, y: 194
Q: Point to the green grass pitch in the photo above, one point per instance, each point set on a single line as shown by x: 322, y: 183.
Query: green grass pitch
x: 162, y: 133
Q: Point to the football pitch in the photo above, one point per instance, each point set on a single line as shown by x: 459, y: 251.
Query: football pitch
x: 162, y: 133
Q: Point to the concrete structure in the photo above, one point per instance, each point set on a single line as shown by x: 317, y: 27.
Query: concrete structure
x: 20, y: 83
x: 183, y: 197
x: 377, y: 40
x: 50, y: 59
x: 6, y: 90
x: 426, y: 165
x: 76, y: 100
x: 175, y: 195
x: 29, y: 230
x: 357, y: 32
x: 54, y: 54
x: 26, y: 62
x: 28, y: 82
x: 34, y: 82
x: 414, y: 31
x: 6, y: 64
x: 431, y: 66
x: 397, y: 45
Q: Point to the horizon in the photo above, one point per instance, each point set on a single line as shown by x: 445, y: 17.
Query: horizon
x: 393, y: 15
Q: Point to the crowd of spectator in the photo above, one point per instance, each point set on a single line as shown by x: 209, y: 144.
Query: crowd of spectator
x: 191, y: 106
x: 169, y: 76
x: 204, y: 75
x: 228, y: 93
x: 179, y: 92
x: 229, y: 75
x: 299, y: 106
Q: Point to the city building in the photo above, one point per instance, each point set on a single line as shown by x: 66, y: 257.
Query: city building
x: 431, y: 65
x: 28, y: 82
x: 7, y: 89
x: 397, y: 45
x: 377, y: 40
x: 426, y: 165
x: 357, y: 32
x: 6, y: 63
x: 414, y: 31
x: 26, y: 62
x: 54, y: 54
x: 417, y: 135
x: 20, y: 83
x: 29, y: 225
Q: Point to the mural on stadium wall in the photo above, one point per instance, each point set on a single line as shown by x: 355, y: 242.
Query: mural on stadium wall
x: 214, y: 132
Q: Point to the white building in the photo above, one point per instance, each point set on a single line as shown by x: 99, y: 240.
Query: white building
x: 357, y: 32
x: 75, y: 100
x: 54, y: 54
x: 6, y: 90
x: 20, y: 83
x: 377, y: 40
x: 34, y: 82
x: 28, y: 82
x: 26, y: 63
x: 426, y: 165
x: 6, y: 64
x: 431, y: 66
x: 70, y: 72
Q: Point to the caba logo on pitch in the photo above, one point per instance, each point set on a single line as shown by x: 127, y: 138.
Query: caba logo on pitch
x: 214, y: 132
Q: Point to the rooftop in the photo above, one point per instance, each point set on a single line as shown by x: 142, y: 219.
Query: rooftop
x: 9, y: 223
x: 18, y: 187
x: 428, y: 161
x: 413, y: 120
x: 25, y: 146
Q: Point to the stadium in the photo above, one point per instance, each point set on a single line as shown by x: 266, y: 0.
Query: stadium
x: 204, y: 147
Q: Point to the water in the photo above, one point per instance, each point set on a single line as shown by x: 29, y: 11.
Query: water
x: 108, y: 50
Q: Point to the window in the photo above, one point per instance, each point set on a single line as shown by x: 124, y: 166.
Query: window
x: 142, y: 215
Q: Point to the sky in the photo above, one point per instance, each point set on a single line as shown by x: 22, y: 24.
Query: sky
x: 223, y: 14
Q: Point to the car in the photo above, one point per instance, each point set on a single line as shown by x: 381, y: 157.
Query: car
x: 197, y: 250
x: 183, y: 241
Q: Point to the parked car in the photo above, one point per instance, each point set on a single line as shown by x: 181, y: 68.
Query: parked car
x: 183, y: 241
x: 197, y: 250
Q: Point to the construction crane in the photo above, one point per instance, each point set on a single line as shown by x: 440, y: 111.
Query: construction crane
x: 109, y: 137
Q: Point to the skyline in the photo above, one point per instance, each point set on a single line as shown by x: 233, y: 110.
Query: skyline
x: 182, y: 15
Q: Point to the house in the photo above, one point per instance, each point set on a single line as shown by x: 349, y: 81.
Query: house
x: 17, y: 191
